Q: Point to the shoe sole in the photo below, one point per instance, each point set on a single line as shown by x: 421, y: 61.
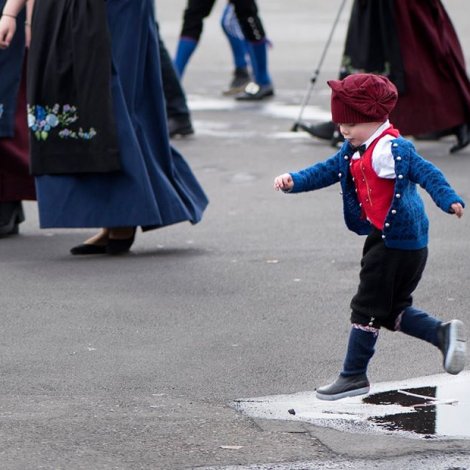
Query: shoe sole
x: 234, y: 90
x: 338, y: 396
x: 182, y: 132
x: 248, y: 97
x: 454, y: 361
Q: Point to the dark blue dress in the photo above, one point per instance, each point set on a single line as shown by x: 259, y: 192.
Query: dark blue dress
x: 11, y: 67
x: 155, y: 186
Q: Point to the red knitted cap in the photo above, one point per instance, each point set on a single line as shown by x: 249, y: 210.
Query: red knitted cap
x: 362, y: 97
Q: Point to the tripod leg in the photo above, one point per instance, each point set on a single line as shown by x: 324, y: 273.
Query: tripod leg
x: 317, y: 70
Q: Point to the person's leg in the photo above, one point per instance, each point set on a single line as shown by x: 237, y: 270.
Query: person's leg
x: 11, y: 215
x: 253, y: 30
x: 449, y: 337
x: 353, y: 380
x: 239, y: 48
x: 178, y: 115
x: 233, y: 32
x: 194, y: 14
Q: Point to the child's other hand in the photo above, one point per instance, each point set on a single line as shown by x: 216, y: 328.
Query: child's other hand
x: 283, y: 182
x: 457, y: 209
x: 7, y: 30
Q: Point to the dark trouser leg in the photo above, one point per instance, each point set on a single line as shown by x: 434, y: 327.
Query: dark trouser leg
x: 387, y: 280
x: 193, y: 17
x: 175, y: 98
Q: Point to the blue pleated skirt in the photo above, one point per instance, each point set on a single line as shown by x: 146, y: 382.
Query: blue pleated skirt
x: 155, y: 186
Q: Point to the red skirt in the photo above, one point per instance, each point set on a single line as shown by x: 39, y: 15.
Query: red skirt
x: 437, y: 93
x: 16, y: 183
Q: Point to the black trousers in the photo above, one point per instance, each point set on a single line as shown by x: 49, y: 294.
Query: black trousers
x: 245, y: 10
x: 175, y: 97
x: 387, y: 280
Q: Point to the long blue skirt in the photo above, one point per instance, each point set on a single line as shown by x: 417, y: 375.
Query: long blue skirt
x: 155, y: 186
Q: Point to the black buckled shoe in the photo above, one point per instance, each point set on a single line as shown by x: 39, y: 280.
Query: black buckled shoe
x: 255, y: 92
x: 344, y: 387
x: 180, y: 126
x: 453, y: 344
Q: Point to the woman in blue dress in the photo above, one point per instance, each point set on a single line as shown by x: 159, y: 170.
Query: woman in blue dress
x: 16, y: 184
x: 100, y: 145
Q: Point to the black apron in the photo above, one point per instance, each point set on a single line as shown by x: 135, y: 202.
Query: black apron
x: 372, y: 43
x: 69, y: 93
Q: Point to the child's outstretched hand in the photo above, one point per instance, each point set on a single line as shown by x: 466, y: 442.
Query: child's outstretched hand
x: 457, y: 209
x: 7, y: 30
x: 283, y: 182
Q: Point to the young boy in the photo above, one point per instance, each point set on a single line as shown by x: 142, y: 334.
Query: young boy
x: 378, y: 171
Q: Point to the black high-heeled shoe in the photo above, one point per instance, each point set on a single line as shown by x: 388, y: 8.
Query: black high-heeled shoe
x: 462, y: 133
x: 88, y: 249
x: 11, y: 215
x: 118, y: 246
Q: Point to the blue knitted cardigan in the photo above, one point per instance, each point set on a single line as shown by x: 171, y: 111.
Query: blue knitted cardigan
x: 406, y: 224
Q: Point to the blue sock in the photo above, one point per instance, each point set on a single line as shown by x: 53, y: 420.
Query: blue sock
x: 419, y: 324
x: 234, y: 36
x: 361, y: 348
x: 259, y: 59
x: 184, y: 51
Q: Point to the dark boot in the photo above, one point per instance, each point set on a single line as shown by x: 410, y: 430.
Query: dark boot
x: 324, y: 130
x: 11, y: 215
x: 353, y: 379
x: 344, y: 387
x: 180, y: 126
x: 453, y: 344
x: 463, y: 138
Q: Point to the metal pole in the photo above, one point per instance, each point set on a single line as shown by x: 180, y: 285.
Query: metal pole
x: 314, y: 78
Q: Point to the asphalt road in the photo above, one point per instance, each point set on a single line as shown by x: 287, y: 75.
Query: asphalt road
x: 132, y: 362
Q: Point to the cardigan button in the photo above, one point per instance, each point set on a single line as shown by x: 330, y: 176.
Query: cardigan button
x: 383, y: 236
x: 340, y: 175
x: 395, y: 144
x: 398, y: 158
x: 398, y: 196
x: 394, y: 211
x: 387, y: 225
x: 400, y: 177
x: 346, y: 157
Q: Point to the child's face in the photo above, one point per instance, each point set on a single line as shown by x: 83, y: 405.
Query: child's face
x: 357, y: 134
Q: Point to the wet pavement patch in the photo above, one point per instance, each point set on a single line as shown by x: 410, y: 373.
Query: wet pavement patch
x: 433, y: 413
x: 433, y: 407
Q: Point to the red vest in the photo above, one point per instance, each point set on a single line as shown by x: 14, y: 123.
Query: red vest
x: 375, y: 194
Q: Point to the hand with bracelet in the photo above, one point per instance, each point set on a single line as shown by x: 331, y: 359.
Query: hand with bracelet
x: 8, y: 21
